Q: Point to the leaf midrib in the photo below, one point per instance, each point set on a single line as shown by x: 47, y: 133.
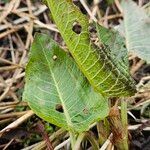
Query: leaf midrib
x: 58, y: 91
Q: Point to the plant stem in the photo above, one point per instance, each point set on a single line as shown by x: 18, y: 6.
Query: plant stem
x: 118, y: 124
x: 124, y: 121
x: 73, y: 139
x: 78, y: 141
x: 103, y: 130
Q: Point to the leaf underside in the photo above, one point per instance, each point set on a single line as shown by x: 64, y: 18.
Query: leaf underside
x: 57, y: 91
x: 96, y: 64
x: 116, y: 50
x: 137, y: 29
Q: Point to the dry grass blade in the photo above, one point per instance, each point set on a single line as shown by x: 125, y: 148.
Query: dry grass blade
x: 135, y: 127
x: 88, y: 10
x: 17, y: 122
x: 7, y: 145
x: 9, y: 7
x: 62, y: 144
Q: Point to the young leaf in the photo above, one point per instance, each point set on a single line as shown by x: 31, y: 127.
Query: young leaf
x: 100, y: 70
x: 57, y: 91
x: 137, y: 29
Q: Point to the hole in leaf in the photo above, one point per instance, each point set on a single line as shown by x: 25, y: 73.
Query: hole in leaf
x: 59, y: 108
x: 77, y: 28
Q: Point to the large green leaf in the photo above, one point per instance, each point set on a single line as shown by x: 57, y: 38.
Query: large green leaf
x: 100, y: 70
x: 57, y: 91
x: 137, y: 29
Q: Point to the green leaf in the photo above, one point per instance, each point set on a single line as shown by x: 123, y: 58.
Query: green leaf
x: 57, y: 91
x: 137, y: 29
x: 115, y: 45
x: 99, y: 69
